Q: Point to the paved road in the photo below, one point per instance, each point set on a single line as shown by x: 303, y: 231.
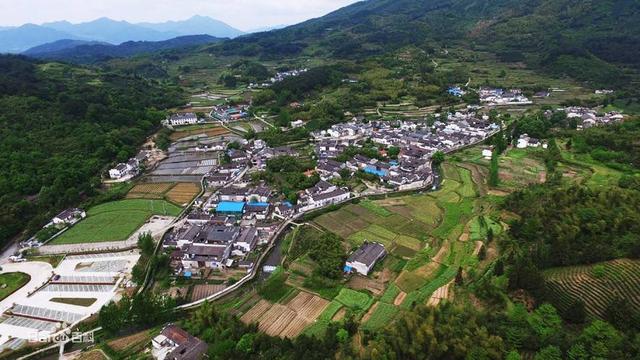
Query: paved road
x: 40, y: 273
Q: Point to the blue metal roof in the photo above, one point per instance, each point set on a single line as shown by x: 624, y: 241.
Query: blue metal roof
x: 230, y: 207
x: 374, y: 171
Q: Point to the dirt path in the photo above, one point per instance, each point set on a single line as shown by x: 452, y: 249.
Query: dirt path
x: 369, y: 313
x: 476, y: 250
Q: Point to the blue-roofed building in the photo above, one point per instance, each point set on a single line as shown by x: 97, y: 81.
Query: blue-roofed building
x: 230, y: 207
x: 455, y: 91
x: 261, y: 204
x: 376, y: 171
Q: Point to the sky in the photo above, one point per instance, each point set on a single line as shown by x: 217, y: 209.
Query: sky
x: 242, y: 14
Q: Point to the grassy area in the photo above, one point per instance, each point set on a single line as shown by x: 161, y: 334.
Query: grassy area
x: 10, y: 282
x: 75, y: 301
x: 330, y: 311
x: 354, y: 299
x: 115, y: 221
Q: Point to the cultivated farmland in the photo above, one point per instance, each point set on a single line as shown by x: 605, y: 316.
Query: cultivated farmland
x: 149, y: 191
x: 596, y: 285
x: 115, y: 221
x: 183, y: 193
x: 288, y: 320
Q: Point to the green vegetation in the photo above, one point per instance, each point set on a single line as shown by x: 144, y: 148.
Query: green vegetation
x: 382, y: 316
x: 115, y: 221
x: 354, y: 299
x: 10, y: 282
x: 274, y: 288
x: 94, y: 118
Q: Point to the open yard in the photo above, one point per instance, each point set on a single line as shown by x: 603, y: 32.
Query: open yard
x: 115, y: 221
x: 10, y: 282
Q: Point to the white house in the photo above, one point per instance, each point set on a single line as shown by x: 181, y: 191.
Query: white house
x: 69, y: 216
x: 183, y: 119
x: 316, y: 201
x: 120, y: 171
x: 365, y: 258
x: 297, y: 124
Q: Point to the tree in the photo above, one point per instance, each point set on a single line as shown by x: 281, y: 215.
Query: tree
x: 546, y: 323
x: 343, y: 336
x: 437, y: 158
x: 498, y: 268
x: 494, y: 178
x: 112, y: 317
x: 459, y: 278
x: 146, y: 244
x: 599, y: 340
x: 245, y: 345
x: 576, y: 312
x: 549, y: 353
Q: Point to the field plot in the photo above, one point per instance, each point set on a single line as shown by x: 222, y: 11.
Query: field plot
x: 115, y: 221
x: 202, y: 291
x: 149, y: 191
x: 183, y: 193
x: 596, y: 285
x: 354, y: 299
x: 380, y: 316
x: 209, y: 130
x: 11, y: 282
x: 287, y: 320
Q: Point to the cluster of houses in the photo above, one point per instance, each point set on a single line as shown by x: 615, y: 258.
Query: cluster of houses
x: 416, y: 142
x: 127, y: 170
x: 278, y: 77
x: 500, y: 97
x: 587, y: 118
x: 227, y: 113
x: 182, y: 119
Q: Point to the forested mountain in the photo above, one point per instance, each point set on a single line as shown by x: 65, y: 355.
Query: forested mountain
x: 59, y: 127
x: 588, y: 40
x: 93, y: 52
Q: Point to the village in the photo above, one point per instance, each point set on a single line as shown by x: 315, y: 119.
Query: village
x: 220, y: 236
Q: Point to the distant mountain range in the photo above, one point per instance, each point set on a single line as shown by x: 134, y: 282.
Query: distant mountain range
x: 22, y: 38
x: 80, y: 51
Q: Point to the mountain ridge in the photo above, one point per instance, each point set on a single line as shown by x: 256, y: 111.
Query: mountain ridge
x: 88, y: 52
x: 25, y: 37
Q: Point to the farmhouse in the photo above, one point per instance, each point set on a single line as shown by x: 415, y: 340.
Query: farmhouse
x: 131, y: 167
x: 196, y: 256
x: 182, y: 119
x: 173, y: 343
x: 69, y: 217
x: 365, y: 258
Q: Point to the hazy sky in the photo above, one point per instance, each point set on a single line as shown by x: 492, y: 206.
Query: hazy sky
x: 243, y: 14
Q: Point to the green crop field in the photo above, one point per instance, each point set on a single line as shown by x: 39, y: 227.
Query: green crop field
x: 115, y: 221
x: 12, y: 281
x: 382, y: 315
x: 596, y: 285
x: 330, y: 311
x: 354, y: 299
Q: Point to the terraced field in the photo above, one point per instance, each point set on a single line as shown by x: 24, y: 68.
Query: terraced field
x: 596, y: 285
x: 287, y: 320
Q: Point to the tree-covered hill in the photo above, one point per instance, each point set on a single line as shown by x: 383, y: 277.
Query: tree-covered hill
x: 59, y: 127
x: 588, y: 40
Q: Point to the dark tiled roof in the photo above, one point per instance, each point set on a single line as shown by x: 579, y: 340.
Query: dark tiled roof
x: 368, y: 253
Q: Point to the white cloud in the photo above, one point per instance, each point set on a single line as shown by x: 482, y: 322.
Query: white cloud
x: 243, y: 14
